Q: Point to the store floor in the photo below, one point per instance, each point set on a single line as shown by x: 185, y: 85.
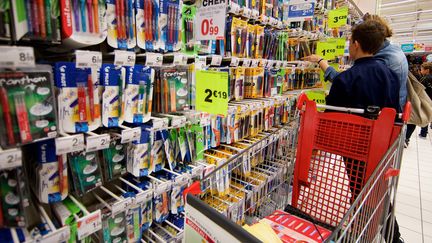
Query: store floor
x: 414, y: 196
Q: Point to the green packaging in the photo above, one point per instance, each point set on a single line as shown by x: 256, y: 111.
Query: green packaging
x: 86, y: 172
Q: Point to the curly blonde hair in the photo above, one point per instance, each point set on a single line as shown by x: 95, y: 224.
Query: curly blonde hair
x: 388, y: 31
x: 427, y: 66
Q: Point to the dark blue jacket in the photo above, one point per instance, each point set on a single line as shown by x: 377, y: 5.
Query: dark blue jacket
x: 369, y: 82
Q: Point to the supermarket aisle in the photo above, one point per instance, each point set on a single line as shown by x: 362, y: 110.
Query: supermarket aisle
x: 414, y: 198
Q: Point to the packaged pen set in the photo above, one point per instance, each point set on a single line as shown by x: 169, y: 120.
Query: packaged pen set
x: 49, y: 180
x: 189, y: 43
x: 86, y: 172
x: 78, y: 98
x: 172, y: 90
x: 5, y: 19
x: 84, y: 22
x: 27, y: 106
x: 14, y: 197
x: 121, y: 16
x: 127, y: 94
x: 158, y: 25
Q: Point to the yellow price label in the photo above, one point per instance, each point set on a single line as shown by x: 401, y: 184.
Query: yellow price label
x: 326, y: 50
x: 340, y: 45
x: 318, y: 96
x: 327, y: 84
x: 212, y: 92
x: 338, y: 17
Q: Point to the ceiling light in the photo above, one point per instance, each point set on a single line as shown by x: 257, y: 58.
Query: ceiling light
x: 412, y: 22
x: 396, y: 3
x: 415, y: 12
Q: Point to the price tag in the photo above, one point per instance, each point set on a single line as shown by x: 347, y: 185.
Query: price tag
x: 69, y: 144
x: 254, y: 62
x: 197, y: 171
x: 121, y: 206
x: 58, y: 236
x: 300, y: 10
x: 212, y: 92
x: 340, y: 45
x: 178, y: 121
x: 89, y: 224
x: 262, y: 62
x: 246, y: 62
x: 326, y: 50
x: 144, y: 196
x: 273, y: 91
x: 216, y: 60
x: 154, y: 59
x: 162, y: 187
x: 210, y: 25
x: 247, y: 12
x: 88, y: 59
x: 338, y: 17
x: 10, y: 158
x: 17, y: 57
x: 124, y: 58
x: 130, y: 135
x: 234, y: 62
x: 234, y: 8
x: 180, y: 59
x: 270, y: 63
x: 97, y: 142
x: 200, y: 62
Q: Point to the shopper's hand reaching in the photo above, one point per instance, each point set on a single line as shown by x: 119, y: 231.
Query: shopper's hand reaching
x: 312, y: 58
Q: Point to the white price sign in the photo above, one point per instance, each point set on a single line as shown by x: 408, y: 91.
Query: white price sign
x: 180, y: 59
x: 129, y: 135
x: 262, y: 63
x: 17, y: 57
x: 200, y: 62
x: 121, y: 206
x: 210, y: 25
x: 234, y: 62
x: 154, y: 59
x: 246, y: 62
x: 69, y: 144
x: 58, y: 236
x: 216, y: 60
x: 274, y: 91
x: 89, y: 224
x: 254, y: 62
x: 124, y: 58
x: 97, y: 142
x: 88, y: 59
x: 10, y: 158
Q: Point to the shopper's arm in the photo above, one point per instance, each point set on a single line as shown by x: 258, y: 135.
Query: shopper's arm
x: 329, y: 72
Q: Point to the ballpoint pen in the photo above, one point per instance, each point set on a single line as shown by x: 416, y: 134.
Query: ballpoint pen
x: 118, y: 18
x: 155, y: 20
x: 165, y: 93
x: 90, y: 90
x: 7, y: 115
x: 96, y: 15
x: 149, y: 97
x: 41, y: 12
x: 35, y: 14
x: 126, y: 18
x: 120, y: 93
x: 29, y: 16
x: 60, y: 172
x: 90, y: 15
x: 131, y: 20
x: 144, y: 98
x: 75, y: 8
x: 82, y: 104
x: 123, y: 19
x: 48, y: 17
x: 83, y: 18
x: 22, y: 117
x: 172, y: 89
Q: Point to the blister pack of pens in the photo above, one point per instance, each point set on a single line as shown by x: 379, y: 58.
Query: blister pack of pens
x: 254, y: 82
x: 113, y: 159
x: 42, y: 19
x: 121, y: 23
x: 138, y: 154
x: 270, y: 44
x: 138, y: 94
x: 270, y: 78
x: 147, y: 24
x: 169, y: 25
x: 172, y: 90
x: 239, y: 36
x: 27, y: 106
x: 259, y: 42
x: 83, y: 22
x: 237, y: 83
x: 282, y: 46
x: 50, y: 180
x: 78, y: 98
x: 85, y: 170
x: 5, y: 19
x: 306, y: 78
x: 113, y: 80
x: 189, y: 43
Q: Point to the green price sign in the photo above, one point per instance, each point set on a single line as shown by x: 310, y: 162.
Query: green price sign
x: 337, y: 17
x: 318, y: 96
x: 340, y: 46
x: 326, y: 50
x: 212, y: 92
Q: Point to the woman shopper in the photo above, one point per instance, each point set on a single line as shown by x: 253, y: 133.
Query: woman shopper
x: 426, y: 80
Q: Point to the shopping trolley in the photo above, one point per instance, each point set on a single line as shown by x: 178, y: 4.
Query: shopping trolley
x: 346, y: 169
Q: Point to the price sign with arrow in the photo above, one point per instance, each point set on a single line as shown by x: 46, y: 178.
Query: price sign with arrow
x: 326, y: 50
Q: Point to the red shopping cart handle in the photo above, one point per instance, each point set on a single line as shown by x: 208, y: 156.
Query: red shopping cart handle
x: 193, y: 189
x: 391, y: 173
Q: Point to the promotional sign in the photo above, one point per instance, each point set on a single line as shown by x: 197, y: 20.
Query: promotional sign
x: 210, y: 25
x: 338, y: 17
x: 340, y: 45
x: 407, y: 48
x: 326, y: 49
x: 212, y: 92
x: 300, y: 10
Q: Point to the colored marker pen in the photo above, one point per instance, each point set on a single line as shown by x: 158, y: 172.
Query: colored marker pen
x: 83, y: 19
x: 48, y: 17
x: 76, y: 15
x: 82, y: 106
x: 36, y: 20
x: 96, y: 15
x: 41, y: 11
x: 90, y: 15
x: 6, y: 115
x: 90, y: 90
x: 173, y: 95
x: 22, y: 117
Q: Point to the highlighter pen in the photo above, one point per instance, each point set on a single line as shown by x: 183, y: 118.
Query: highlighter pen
x: 130, y: 20
x: 35, y: 15
x: 90, y: 90
x: 90, y: 15
x: 7, y: 115
x: 118, y: 16
x: 83, y: 19
x: 30, y: 17
x: 22, y: 117
x: 48, y: 17
x: 173, y: 95
x: 75, y: 8
x: 96, y: 15
x: 41, y: 11
x: 165, y: 93
x: 60, y: 172
x: 82, y: 106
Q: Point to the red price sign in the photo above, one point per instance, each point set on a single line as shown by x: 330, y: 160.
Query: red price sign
x: 207, y: 27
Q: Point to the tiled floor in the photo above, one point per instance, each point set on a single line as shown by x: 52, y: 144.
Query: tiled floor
x: 414, y: 196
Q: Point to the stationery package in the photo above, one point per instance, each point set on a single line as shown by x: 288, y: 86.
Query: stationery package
x: 86, y: 172
x: 120, y: 15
